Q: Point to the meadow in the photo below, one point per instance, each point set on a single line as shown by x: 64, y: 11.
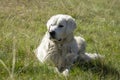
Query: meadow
x: 23, y: 24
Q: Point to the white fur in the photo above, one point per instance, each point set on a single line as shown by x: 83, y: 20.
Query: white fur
x: 62, y: 54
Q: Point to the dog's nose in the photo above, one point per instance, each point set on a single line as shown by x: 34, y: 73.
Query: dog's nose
x: 52, y: 34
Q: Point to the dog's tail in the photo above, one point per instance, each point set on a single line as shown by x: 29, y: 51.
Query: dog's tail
x: 89, y: 56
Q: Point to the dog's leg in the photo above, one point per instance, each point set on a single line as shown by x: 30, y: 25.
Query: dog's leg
x: 65, y: 72
x: 89, y: 57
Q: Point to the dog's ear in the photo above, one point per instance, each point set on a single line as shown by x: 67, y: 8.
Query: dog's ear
x: 71, y: 25
x: 51, y: 21
x: 48, y: 24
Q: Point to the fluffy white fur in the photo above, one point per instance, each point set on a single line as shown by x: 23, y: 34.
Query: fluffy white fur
x: 64, y: 49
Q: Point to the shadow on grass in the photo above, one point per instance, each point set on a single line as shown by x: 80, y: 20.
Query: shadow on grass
x: 104, y: 71
x: 101, y: 69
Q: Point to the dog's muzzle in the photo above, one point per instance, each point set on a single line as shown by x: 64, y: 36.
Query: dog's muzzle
x: 53, y: 36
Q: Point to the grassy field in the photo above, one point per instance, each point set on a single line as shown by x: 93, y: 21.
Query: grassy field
x: 23, y: 24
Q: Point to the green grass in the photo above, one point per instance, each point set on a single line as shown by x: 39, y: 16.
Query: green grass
x: 23, y: 24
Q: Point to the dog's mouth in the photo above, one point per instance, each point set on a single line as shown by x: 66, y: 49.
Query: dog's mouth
x: 55, y: 40
x: 60, y: 40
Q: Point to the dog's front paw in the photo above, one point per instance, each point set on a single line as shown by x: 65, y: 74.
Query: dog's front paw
x: 65, y: 72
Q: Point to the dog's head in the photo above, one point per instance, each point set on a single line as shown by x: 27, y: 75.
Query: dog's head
x: 60, y: 27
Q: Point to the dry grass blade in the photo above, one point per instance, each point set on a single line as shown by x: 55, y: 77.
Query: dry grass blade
x: 14, y: 54
x: 4, y: 65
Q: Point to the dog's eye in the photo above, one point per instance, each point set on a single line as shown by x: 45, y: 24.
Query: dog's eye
x: 60, y: 26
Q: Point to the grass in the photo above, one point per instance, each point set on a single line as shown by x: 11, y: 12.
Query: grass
x: 23, y: 24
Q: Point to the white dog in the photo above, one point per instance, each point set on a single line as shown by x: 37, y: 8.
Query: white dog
x: 59, y: 47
